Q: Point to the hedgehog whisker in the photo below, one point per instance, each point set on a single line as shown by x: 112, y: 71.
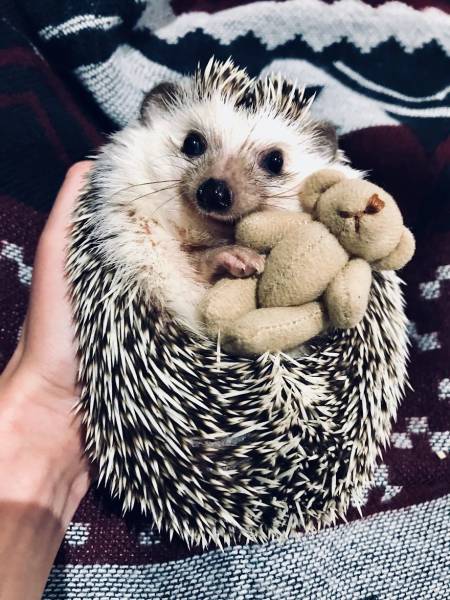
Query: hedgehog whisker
x: 163, y: 204
x: 285, y: 192
x: 276, y: 206
x: 174, y: 156
x: 133, y: 185
x: 185, y: 159
x: 283, y: 197
x: 278, y: 184
x: 169, y: 187
x: 291, y: 189
x: 180, y: 157
x: 252, y: 168
x: 174, y: 166
x: 267, y: 201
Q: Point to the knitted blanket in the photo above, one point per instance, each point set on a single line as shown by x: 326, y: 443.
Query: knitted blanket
x: 70, y: 73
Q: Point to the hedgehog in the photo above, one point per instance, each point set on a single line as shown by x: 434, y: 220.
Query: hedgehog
x: 217, y: 448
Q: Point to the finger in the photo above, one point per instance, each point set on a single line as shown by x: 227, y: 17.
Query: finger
x: 53, y: 235
x: 52, y: 247
x: 76, y: 178
x: 53, y: 242
x: 49, y: 304
x: 49, y: 333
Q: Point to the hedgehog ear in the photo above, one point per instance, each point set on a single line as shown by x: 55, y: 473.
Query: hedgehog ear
x: 162, y: 96
x: 326, y: 138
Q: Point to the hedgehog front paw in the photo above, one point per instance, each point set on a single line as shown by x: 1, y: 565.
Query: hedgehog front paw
x: 237, y: 261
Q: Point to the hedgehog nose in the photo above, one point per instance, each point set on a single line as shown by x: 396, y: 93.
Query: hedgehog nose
x: 214, y: 195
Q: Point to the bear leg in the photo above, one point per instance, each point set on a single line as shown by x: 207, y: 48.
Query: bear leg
x: 274, y: 329
x: 347, y: 296
x: 227, y: 301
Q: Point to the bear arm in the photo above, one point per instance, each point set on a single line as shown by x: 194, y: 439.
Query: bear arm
x: 227, y: 301
x: 401, y: 255
x: 274, y: 329
x: 347, y: 296
x: 262, y: 230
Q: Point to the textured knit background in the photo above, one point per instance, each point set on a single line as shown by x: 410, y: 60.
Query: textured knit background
x: 73, y: 71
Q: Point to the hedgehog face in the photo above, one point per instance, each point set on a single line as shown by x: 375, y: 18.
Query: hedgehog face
x: 235, y: 145
x: 236, y: 162
x: 218, y: 146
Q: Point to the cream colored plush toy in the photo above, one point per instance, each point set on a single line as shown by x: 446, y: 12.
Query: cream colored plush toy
x: 318, y: 270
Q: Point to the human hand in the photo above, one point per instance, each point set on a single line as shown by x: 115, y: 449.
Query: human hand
x: 43, y: 471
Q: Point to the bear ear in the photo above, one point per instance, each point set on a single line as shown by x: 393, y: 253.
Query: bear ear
x: 400, y: 256
x: 163, y: 96
x: 315, y: 185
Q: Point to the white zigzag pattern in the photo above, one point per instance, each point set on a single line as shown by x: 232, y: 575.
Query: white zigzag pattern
x: 439, y: 440
x: 156, y: 14
x: 425, y: 341
x: 430, y: 290
x: 444, y: 389
x: 148, y: 537
x: 277, y: 23
x: 119, y: 84
x: 77, y: 534
x: 14, y: 252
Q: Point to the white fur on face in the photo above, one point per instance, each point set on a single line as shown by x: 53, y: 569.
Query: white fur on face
x: 147, y: 213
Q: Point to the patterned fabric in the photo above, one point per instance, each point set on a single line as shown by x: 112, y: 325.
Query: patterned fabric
x: 368, y: 559
x: 70, y: 73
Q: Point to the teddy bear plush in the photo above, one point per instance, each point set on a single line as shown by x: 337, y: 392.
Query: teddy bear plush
x: 318, y: 270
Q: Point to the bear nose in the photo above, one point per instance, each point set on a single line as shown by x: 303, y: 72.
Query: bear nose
x: 214, y: 195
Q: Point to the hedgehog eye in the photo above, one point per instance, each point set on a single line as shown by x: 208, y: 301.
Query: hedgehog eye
x: 194, y: 144
x: 272, y: 162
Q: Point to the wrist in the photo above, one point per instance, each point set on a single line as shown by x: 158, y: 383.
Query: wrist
x: 41, y: 457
